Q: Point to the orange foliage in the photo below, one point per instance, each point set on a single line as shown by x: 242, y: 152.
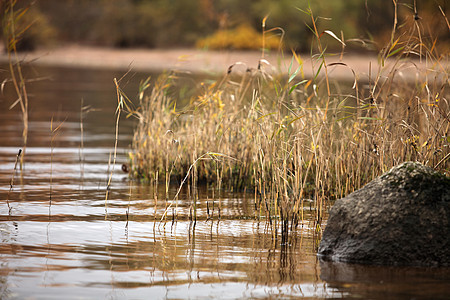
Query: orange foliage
x: 243, y: 37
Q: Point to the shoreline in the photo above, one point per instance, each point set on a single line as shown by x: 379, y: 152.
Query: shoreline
x: 207, y: 62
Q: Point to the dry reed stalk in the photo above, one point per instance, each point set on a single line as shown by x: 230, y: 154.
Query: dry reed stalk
x: 54, y: 133
x: 123, y: 104
x: 128, y: 206
x: 81, y: 149
x: 10, y: 19
x: 118, y: 112
x: 11, y: 183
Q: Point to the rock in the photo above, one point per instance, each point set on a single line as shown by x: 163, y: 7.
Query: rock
x: 400, y: 218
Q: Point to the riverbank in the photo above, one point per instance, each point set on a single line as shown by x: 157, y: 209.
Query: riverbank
x: 206, y: 62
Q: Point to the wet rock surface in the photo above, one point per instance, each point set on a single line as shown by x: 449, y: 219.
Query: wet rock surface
x: 400, y: 218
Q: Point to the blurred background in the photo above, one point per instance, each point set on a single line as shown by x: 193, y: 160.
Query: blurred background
x: 223, y: 24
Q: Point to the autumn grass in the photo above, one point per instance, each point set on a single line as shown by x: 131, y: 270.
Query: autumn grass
x: 289, y: 139
x: 12, y: 33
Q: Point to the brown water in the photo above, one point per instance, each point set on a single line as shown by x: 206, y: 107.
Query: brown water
x: 76, y: 247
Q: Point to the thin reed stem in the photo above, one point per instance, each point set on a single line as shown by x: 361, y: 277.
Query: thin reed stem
x: 15, y: 69
x: 11, y: 182
x: 116, y: 139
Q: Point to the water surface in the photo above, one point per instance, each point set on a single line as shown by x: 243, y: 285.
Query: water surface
x: 60, y: 238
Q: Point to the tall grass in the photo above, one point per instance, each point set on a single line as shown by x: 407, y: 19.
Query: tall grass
x: 12, y: 34
x: 291, y: 139
x: 123, y: 104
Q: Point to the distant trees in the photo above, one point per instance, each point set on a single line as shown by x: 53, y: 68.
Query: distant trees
x: 182, y: 23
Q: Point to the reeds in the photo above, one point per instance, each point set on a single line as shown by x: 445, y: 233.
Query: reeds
x: 12, y: 34
x: 293, y: 139
x: 54, y: 133
x: 123, y: 105
x: 11, y: 183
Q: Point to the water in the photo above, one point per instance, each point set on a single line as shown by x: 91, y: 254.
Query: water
x: 62, y: 240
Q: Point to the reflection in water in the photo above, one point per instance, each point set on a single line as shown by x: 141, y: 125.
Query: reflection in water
x: 148, y: 254
x: 66, y: 246
x: 69, y: 248
x: 387, y: 282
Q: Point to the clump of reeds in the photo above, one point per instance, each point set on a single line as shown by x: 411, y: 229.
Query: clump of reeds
x: 291, y: 138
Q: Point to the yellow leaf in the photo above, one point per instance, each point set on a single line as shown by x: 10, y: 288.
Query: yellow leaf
x: 299, y: 61
x: 264, y: 21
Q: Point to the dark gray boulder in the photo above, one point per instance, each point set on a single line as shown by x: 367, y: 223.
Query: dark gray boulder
x: 400, y: 218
